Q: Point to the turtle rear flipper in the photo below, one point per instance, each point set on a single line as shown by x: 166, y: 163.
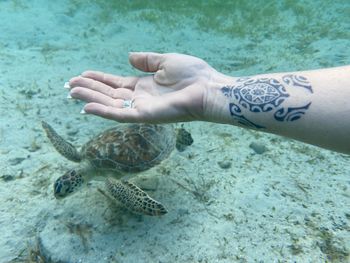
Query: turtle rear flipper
x: 61, y: 145
x: 133, y: 198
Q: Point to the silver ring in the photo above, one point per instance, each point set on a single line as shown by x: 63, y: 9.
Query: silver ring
x: 127, y: 104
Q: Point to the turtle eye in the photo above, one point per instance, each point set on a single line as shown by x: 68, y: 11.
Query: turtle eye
x: 57, y: 187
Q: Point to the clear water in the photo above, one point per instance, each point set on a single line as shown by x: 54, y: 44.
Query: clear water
x: 289, y: 204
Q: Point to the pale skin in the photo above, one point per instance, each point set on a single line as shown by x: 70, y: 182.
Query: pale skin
x: 309, y: 106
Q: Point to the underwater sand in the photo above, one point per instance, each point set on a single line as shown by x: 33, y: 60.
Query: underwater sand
x: 226, y: 202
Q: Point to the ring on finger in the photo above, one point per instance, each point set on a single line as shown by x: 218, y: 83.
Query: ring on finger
x: 128, y: 104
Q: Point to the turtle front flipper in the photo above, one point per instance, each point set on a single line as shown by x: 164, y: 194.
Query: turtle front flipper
x: 133, y: 198
x: 62, y: 146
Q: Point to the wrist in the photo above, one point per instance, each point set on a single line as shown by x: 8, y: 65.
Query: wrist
x: 216, y: 104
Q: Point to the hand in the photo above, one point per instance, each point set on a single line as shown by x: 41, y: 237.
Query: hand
x: 175, y: 91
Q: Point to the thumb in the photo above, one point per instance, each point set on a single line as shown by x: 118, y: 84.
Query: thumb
x: 146, y: 61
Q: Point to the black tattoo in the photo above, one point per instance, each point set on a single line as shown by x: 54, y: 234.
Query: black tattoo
x: 295, y: 80
x: 291, y: 113
x: 259, y: 95
x: 264, y: 95
x: 236, y: 113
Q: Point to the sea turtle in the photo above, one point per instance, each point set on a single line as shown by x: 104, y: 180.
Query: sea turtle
x: 116, y: 152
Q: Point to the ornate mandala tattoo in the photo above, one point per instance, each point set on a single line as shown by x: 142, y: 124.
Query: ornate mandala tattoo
x: 264, y: 95
x: 259, y: 95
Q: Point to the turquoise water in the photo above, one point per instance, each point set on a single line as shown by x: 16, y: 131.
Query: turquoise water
x: 226, y: 202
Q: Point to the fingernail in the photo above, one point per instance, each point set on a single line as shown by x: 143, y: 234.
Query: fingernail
x: 69, y: 96
x: 66, y: 85
x: 82, y: 111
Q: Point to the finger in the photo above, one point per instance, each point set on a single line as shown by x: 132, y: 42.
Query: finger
x: 146, y: 61
x: 124, y: 94
x: 94, y: 96
x: 121, y: 115
x: 97, y: 84
x: 91, y: 84
x: 111, y: 80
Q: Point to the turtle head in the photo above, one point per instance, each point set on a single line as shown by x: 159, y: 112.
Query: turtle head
x: 183, y: 139
x: 68, y: 183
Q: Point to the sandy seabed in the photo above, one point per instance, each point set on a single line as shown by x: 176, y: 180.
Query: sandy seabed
x: 226, y: 201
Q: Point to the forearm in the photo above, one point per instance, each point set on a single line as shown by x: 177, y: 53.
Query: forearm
x: 310, y: 106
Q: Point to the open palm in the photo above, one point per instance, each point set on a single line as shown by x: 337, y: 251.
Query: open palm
x: 173, y: 92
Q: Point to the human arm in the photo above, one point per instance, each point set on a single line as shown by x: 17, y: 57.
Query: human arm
x: 310, y: 106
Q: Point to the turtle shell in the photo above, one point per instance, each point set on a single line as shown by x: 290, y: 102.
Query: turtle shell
x: 131, y: 147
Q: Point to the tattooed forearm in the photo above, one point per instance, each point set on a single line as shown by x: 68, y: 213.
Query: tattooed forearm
x: 262, y: 95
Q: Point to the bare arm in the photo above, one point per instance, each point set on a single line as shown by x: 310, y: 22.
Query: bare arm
x: 310, y: 106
